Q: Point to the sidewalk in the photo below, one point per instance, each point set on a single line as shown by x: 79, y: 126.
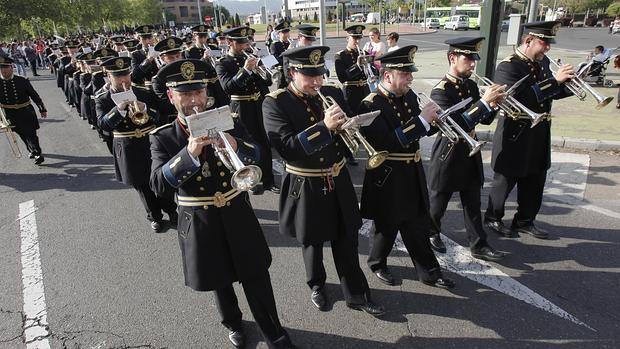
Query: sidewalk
x: 576, y: 124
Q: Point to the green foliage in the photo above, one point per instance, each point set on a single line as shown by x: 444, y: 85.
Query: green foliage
x: 315, y: 18
x: 614, y: 9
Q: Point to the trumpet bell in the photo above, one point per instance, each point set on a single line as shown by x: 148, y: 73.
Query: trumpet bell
x: 475, y: 147
x: 375, y: 160
x: 246, y: 177
x: 603, y: 102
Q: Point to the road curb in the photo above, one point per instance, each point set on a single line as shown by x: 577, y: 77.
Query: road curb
x: 566, y: 142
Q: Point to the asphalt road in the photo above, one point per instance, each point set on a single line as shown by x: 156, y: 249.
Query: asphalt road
x: 109, y: 282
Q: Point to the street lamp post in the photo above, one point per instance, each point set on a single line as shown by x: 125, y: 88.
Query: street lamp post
x: 199, y: 12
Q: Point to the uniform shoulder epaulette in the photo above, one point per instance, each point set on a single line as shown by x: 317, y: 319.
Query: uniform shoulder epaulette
x: 339, y: 52
x: 370, y: 97
x: 160, y: 128
x: 101, y: 92
x: 276, y: 93
x: 509, y: 58
x: 441, y: 85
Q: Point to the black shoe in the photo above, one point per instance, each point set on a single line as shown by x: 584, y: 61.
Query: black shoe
x: 385, y: 276
x: 441, y: 282
x: 319, y: 299
x: 38, y: 159
x: 274, y: 189
x: 257, y: 190
x: 369, y: 308
x: 237, y: 338
x: 156, y: 226
x: 92, y: 127
x: 500, y: 228
x: 351, y: 161
x: 532, y: 230
x: 31, y: 155
x: 487, y: 253
x: 436, y: 244
x: 173, y: 218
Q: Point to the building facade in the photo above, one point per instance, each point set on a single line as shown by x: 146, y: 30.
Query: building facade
x: 299, y: 9
x: 184, y: 11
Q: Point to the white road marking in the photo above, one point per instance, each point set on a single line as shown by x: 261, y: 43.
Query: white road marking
x: 458, y: 260
x: 35, y: 310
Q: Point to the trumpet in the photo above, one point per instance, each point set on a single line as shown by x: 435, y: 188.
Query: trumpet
x: 448, y: 126
x: 580, y: 88
x: 5, y: 128
x: 245, y: 177
x: 137, y: 116
x: 511, y: 106
x: 261, y: 70
x: 353, y: 138
x: 371, y: 79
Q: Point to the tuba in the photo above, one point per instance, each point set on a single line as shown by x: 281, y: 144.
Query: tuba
x: 353, y: 138
x: 448, y: 126
x: 580, y: 88
x: 511, y: 106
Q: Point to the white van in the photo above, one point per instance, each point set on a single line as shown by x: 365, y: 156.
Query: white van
x: 457, y: 22
x: 358, y: 17
x: 373, y: 18
x: 432, y: 23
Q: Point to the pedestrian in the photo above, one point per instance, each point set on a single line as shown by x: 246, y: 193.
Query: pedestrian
x: 16, y: 102
x: 18, y: 58
x: 40, y: 49
x: 375, y: 47
x: 268, y: 39
x: 31, y: 57
x: 617, y: 66
x: 392, y: 41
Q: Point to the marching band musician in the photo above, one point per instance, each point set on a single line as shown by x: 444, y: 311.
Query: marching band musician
x: 395, y: 194
x: 306, y: 34
x: 247, y: 89
x: 143, y: 65
x: 318, y: 202
x: 130, y: 122
x: 351, y: 74
x: 278, y: 47
x: 451, y: 167
x: 170, y: 51
x: 521, y: 153
x: 220, y: 238
x: 201, y: 50
x: 97, y: 82
x: 16, y: 93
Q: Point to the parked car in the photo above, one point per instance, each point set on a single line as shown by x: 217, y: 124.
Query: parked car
x: 358, y: 17
x: 457, y: 22
x: 432, y: 23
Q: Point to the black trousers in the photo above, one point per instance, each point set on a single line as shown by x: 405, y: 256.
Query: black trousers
x: 529, y: 197
x: 30, y: 139
x: 259, y: 295
x: 33, y: 66
x: 153, y: 204
x: 414, y: 232
x: 470, y: 199
x: 352, y: 279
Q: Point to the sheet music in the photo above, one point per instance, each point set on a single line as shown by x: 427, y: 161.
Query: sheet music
x: 218, y: 119
x: 121, y: 97
x: 269, y: 61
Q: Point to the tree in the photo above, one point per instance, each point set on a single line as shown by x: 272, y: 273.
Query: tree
x: 316, y: 17
x: 614, y: 9
x: 306, y: 19
x: 237, y: 21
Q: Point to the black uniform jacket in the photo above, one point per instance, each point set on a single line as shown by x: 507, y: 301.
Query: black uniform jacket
x: 142, y: 69
x: 15, y: 96
x: 60, y: 74
x: 519, y: 150
x: 277, y: 49
x: 396, y: 189
x: 222, y: 243
x: 348, y: 71
x: 451, y: 168
x: 296, y: 130
x: 132, y: 161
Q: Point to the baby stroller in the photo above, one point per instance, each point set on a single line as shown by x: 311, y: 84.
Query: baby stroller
x: 595, y: 73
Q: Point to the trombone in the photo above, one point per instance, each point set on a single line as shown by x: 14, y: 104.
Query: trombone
x: 580, y: 88
x: 5, y: 127
x: 511, y: 106
x: 448, y: 126
x: 353, y: 138
x: 371, y: 79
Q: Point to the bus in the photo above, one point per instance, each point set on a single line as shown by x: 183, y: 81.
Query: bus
x: 444, y: 13
x: 473, y: 11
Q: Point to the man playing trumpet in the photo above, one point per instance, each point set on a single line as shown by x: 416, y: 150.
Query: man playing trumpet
x: 521, y: 153
x: 220, y: 238
x: 395, y: 194
x: 451, y: 167
x: 318, y: 202
x: 130, y: 123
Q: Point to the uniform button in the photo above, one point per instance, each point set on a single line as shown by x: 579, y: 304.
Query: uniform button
x: 202, y: 188
x: 222, y: 174
x: 205, y: 207
x: 406, y: 104
x: 460, y: 94
x: 337, y: 143
x: 224, y: 184
x: 397, y: 114
x: 219, y: 163
x: 321, y: 159
x: 198, y: 178
x: 228, y: 203
x: 542, y: 105
x: 308, y: 110
x: 456, y: 87
x: 408, y: 110
x: 312, y: 119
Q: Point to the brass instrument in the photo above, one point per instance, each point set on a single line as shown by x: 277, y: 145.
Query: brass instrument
x: 353, y: 138
x: 261, y: 70
x: 371, y: 79
x: 137, y: 116
x: 448, y: 126
x: 511, y: 106
x: 5, y: 128
x: 580, y: 88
